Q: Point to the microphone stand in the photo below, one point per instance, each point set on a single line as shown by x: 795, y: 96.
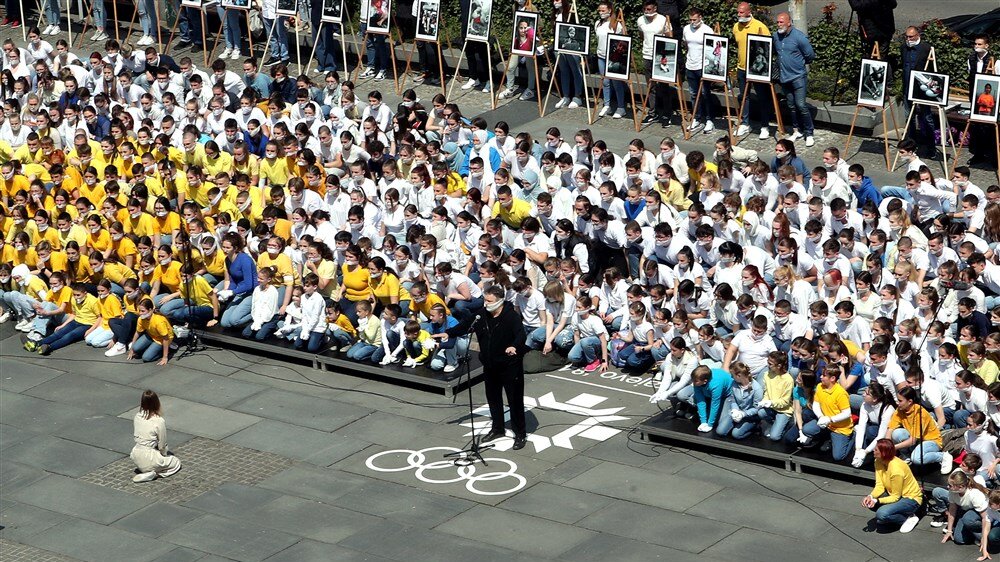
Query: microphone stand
x: 193, y: 343
x: 473, y: 450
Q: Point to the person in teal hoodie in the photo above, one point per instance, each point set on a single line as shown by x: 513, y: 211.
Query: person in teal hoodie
x: 708, y: 391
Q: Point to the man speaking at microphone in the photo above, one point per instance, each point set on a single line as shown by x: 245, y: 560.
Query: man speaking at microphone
x: 501, y: 351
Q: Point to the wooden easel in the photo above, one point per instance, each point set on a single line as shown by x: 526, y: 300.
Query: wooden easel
x: 528, y: 7
x: 90, y: 17
x: 204, y: 40
x: 876, y: 55
x: 489, y: 64
x: 774, y: 100
x: 697, y: 99
x: 392, y: 52
x: 942, y: 119
x: 583, y: 73
x: 668, y: 30
x: 990, y: 68
x: 440, y: 56
x: 619, y: 16
x: 225, y: 15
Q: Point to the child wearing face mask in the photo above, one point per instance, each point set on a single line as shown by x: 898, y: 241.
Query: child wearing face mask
x: 124, y: 327
x: 291, y: 325
x: 111, y: 308
x: 637, y: 333
x: 83, y: 318
x: 153, y: 335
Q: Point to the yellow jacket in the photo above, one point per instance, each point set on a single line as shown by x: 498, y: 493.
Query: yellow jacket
x: 893, y: 481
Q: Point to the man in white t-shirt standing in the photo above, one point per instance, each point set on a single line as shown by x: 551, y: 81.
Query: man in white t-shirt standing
x: 652, y: 24
x: 694, y: 36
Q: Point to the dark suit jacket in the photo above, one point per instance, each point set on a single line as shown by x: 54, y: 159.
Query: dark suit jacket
x: 914, y: 58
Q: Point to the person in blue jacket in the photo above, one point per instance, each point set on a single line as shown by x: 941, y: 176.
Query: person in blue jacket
x: 740, y: 414
x: 794, y: 53
x: 241, y: 279
x: 708, y: 391
x: 863, y: 187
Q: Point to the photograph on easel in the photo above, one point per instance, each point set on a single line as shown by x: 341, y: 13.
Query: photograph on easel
x: 665, y: 54
x: 525, y: 36
x: 929, y: 88
x: 333, y: 11
x: 619, y: 56
x: 480, y: 16
x: 379, y: 12
x: 428, y: 19
x: 872, y: 83
x: 715, y: 58
x: 759, y: 60
x: 572, y: 39
x: 196, y: 4
x: 236, y: 4
x: 285, y: 8
x: 984, y: 99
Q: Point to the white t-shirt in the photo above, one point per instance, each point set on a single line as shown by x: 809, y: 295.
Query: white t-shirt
x: 753, y: 352
x: 695, y: 39
x: 530, y: 307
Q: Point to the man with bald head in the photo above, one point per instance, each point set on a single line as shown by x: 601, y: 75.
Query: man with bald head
x: 794, y: 53
x: 745, y: 25
x: 914, y: 54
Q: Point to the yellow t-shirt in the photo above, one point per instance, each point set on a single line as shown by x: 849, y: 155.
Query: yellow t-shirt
x: 356, y: 283
x: 125, y: 248
x: 111, y: 307
x: 426, y: 306
x: 88, y: 312
x: 740, y: 32
x: 169, y: 276
x: 157, y: 327
x: 283, y: 263
x: 142, y: 226
x: 222, y: 163
x: 114, y: 272
x: 515, y: 215
x: 200, y: 293
x: 100, y: 241
x: 275, y: 173
x: 386, y: 287
x: 60, y: 297
x: 168, y: 224
x: 832, y: 401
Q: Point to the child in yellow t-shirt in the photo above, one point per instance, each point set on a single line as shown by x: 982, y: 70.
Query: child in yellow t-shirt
x: 418, y: 344
x: 76, y: 325
x: 153, y: 335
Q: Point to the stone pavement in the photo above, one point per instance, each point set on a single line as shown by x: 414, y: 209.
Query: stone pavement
x: 283, y: 463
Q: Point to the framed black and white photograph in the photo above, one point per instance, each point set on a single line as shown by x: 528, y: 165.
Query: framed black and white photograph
x: 665, y: 55
x: 379, y: 15
x: 929, y: 88
x: 236, y: 4
x: 333, y: 11
x: 196, y: 4
x: 428, y: 19
x: 480, y: 17
x: 284, y: 8
x: 715, y: 58
x: 872, y: 83
x: 524, y: 34
x: 984, y: 98
x: 619, y: 50
x: 758, y: 61
x: 572, y: 39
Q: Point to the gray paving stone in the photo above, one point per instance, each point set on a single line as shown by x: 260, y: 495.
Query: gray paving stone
x: 569, y: 469
x: 732, y: 473
x: 181, y: 555
x: 92, y: 394
x: 643, y: 486
x: 19, y: 376
x: 301, y: 443
x: 79, y: 499
x: 314, y: 551
x: 302, y: 410
x: 393, y: 431
x: 61, y: 456
x: 848, y: 534
x: 109, y: 432
x: 14, y: 476
x: 532, y: 535
x: 658, y: 526
x: 325, y: 485
x: 232, y: 500
x: 762, y: 513
x: 97, y: 543
x: 231, y: 539
x: 557, y: 503
x: 39, y: 415
x: 403, y: 504
x: 413, y: 544
x: 11, y: 435
x: 404, y: 401
x: 17, y: 552
x: 116, y: 370
x: 309, y: 518
x: 156, y: 519
x: 750, y: 544
x: 605, y: 547
x: 211, y: 389
x: 20, y: 520
x: 199, y: 419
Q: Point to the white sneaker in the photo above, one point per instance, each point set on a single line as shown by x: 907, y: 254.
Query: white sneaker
x: 709, y: 127
x: 909, y: 524
x: 380, y: 75
x: 947, y: 462
x: 449, y: 368
x: 563, y: 102
x: 55, y: 30
x: 572, y: 105
x: 225, y: 54
x: 142, y: 42
x: 47, y: 30
x: 24, y: 325
x: 618, y: 114
x: 796, y: 135
x: 116, y: 350
x: 366, y: 73
x: 508, y: 93
x: 97, y: 35
x: 35, y: 336
x: 487, y: 88
x: 604, y: 111
x: 743, y: 130
x: 144, y: 477
x: 810, y: 140
x: 765, y: 133
x: 235, y: 55
x: 4, y: 317
x: 694, y: 126
x: 472, y: 83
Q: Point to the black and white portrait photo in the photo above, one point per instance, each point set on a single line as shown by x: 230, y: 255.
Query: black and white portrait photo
x: 572, y: 38
x: 284, y: 7
x: 428, y: 19
x: 333, y: 11
x: 871, y: 84
x: 480, y: 15
x: 758, y: 61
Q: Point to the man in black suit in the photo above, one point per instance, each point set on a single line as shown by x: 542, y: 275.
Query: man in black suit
x: 914, y: 53
x: 982, y: 141
x: 501, y: 338
x: 156, y: 60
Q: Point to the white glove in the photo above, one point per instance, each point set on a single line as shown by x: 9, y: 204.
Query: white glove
x: 386, y: 360
x: 704, y: 428
x: 410, y: 362
x: 824, y: 421
x: 803, y: 438
x: 660, y: 395
x: 737, y: 415
x: 859, y: 458
x: 225, y: 295
x: 765, y: 404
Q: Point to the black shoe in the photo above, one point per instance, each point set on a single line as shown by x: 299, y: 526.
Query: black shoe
x: 44, y: 349
x: 519, y: 442
x: 182, y: 44
x: 272, y: 61
x: 976, y: 159
x: 939, y: 520
x: 197, y: 48
x: 650, y: 118
x: 493, y: 435
x: 432, y: 82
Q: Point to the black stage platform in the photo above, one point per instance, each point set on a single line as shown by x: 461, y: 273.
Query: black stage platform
x: 329, y: 359
x: 665, y: 428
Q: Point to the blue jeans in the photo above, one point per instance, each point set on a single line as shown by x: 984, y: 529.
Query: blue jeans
x: 70, y: 333
x: 968, y: 527
x: 612, y: 85
x: 52, y: 12
x: 279, y: 39
x: 326, y: 54
x: 571, y: 77
x: 795, y: 95
x: 465, y: 309
x: 124, y: 328
x: 895, y: 513
x: 312, y: 343
x: 842, y: 444
x: 925, y: 452
x: 793, y: 430
x: 379, y: 352
x: 339, y: 338
x: 148, y: 349
x: 148, y: 17
x: 727, y: 425
x: 585, y: 351
x: 762, y: 103
x: 195, y: 315
x: 231, y: 27
x: 42, y: 323
x: 900, y: 192
x: 562, y: 340
x: 98, y: 12
x: 449, y: 355
x: 778, y: 423
x: 189, y: 24
x: 961, y: 418
x: 707, y: 104
x: 237, y: 314
x: 529, y: 69
x: 636, y: 360
x: 361, y: 351
x: 169, y: 308
x: 100, y: 337
x: 265, y: 331
x: 380, y: 51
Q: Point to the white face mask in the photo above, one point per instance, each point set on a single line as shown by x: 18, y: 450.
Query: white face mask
x: 494, y: 306
x: 146, y: 315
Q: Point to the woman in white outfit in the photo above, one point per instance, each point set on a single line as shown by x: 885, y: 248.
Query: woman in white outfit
x: 150, y: 451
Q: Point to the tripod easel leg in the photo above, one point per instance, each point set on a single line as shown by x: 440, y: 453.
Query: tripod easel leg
x: 694, y: 111
x: 86, y: 21
x: 312, y: 54
x: 548, y: 91
x: 270, y: 35
x: 128, y: 34
x: 586, y: 91
x: 298, y: 47
x: 204, y: 40
x: 635, y: 112
x: 458, y: 66
x: 114, y: 8
x: 392, y: 59
x: 850, y: 132
x: 409, y: 60
x: 729, y: 113
x: 906, y: 128
x: 958, y: 146
x: 538, y: 84
x: 777, y: 111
